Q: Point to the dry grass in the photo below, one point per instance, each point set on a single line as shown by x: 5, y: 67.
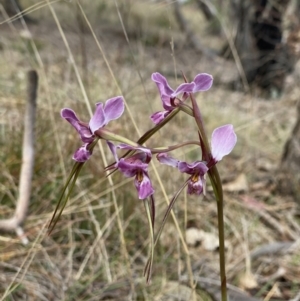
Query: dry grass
x: 99, y: 248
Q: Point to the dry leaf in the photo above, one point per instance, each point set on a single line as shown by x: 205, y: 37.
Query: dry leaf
x: 239, y: 184
x: 193, y: 236
x: 209, y: 241
x: 247, y: 281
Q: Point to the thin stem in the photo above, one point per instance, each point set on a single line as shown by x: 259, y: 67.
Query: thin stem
x: 162, y: 149
x: 64, y: 199
x: 148, y: 268
x: 186, y: 109
x: 157, y: 127
x: 218, y: 191
x: 200, y: 124
x: 110, y: 136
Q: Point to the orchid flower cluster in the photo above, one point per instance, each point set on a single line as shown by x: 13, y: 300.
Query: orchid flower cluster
x: 135, y: 162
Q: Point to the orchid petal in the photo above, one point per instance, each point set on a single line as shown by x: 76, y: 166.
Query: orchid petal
x: 164, y: 89
x: 70, y: 116
x: 162, y: 84
x: 196, y: 167
x: 98, y: 119
x: 130, y: 166
x: 159, y: 116
x: 203, y: 82
x: 113, y: 108
x: 166, y: 159
x: 144, y: 156
x: 144, y: 187
x: 113, y: 149
x: 84, y: 132
x: 195, y: 187
x: 137, y: 165
x: 186, y: 87
x: 82, y: 154
x: 223, y: 141
x: 130, y: 147
x: 166, y: 102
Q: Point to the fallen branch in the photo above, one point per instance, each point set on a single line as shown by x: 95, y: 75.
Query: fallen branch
x: 15, y: 223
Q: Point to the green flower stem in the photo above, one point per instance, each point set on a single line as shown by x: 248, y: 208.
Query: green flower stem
x: 186, y: 109
x: 215, y: 180
x: 108, y: 135
x: 156, y: 128
x: 164, y: 149
x: 218, y: 191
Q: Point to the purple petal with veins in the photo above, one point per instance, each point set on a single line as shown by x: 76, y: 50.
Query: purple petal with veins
x: 70, y: 116
x: 195, y: 187
x: 223, y: 141
x: 113, y: 149
x: 159, y: 116
x: 145, y: 155
x: 113, y: 108
x: 164, y: 89
x: 82, y: 154
x: 130, y: 166
x: 196, y: 167
x: 164, y: 158
x: 162, y: 84
x: 203, y: 82
x: 84, y: 132
x: 98, y: 119
x: 186, y: 87
x: 144, y: 187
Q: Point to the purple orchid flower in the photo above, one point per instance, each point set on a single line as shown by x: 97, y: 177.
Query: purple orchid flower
x: 202, y: 82
x: 112, y: 109
x: 135, y: 166
x: 197, y: 170
x: 222, y: 142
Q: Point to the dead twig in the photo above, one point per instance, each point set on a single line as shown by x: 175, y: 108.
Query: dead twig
x: 15, y: 223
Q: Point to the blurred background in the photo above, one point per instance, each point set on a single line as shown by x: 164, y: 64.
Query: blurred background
x: 88, y: 51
